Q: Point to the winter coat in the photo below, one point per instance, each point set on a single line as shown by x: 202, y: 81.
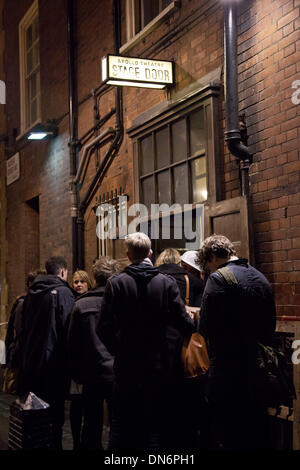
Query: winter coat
x: 89, y: 360
x: 46, y: 312
x: 196, y: 285
x: 13, y: 333
x: 233, y: 319
x: 143, y: 322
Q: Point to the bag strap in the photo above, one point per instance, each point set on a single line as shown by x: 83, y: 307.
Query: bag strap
x: 227, y: 275
x: 187, y: 293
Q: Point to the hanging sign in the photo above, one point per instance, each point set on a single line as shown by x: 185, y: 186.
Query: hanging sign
x: 137, y: 72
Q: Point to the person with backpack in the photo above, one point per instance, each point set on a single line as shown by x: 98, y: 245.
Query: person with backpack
x: 46, y: 313
x: 234, y: 318
x: 12, y: 338
x: 143, y: 321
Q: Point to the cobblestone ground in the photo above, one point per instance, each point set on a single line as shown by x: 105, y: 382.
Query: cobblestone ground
x: 5, y: 402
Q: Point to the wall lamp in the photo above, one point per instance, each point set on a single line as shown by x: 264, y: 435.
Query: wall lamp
x: 40, y: 131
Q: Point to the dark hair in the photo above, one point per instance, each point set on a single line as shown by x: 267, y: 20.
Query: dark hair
x: 32, y: 275
x: 103, y: 268
x: 54, y: 264
x: 217, y: 245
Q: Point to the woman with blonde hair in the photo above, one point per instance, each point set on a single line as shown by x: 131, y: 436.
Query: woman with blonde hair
x: 81, y: 282
x: 169, y: 262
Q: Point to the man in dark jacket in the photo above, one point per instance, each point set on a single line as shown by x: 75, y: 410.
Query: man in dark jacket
x: 233, y: 319
x: 12, y: 339
x: 143, y: 321
x: 46, y: 312
x: 90, y: 362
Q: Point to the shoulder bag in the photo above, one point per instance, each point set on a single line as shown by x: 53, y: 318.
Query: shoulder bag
x: 269, y: 382
x: 194, y: 354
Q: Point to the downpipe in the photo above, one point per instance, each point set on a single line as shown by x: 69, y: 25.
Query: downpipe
x: 233, y: 133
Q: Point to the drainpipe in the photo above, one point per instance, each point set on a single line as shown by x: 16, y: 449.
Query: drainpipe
x: 88, y: 148
x: 73, y: 136
x: 114, y: 147
x: 232, y: 133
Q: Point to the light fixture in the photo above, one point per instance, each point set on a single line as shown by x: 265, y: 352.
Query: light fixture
x: 137, y: 72
x: 40, y: 131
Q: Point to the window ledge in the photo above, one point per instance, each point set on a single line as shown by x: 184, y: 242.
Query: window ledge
x: 150, y: 26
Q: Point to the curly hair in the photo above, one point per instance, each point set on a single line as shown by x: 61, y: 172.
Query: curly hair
x: 169, y: 255
x: 217, y: 245
x: 103, y: 268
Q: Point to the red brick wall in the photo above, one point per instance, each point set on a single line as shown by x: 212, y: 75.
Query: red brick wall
x: 44, y: 165
x: 269, y: 53
x: 268, y: 58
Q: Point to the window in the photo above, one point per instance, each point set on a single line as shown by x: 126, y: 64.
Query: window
x: 172, y: 162
x: 176, y: 162
x: 143, y: 15
x: 143, y: 11
x: 29, y: 46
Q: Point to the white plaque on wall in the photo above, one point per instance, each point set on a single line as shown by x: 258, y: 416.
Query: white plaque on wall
x: 13, y: 169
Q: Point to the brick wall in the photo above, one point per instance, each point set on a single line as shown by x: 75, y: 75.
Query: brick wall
x: 192, y: 36
x: 269, y: 53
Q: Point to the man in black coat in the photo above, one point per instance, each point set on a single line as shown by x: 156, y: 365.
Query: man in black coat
x: 143, y: 321
x: 90, y: 362
x: 233, y: 320
x: 45, y: 316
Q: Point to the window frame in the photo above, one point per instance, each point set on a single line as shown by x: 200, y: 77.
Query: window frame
x: 167, y: 113
x: 187, y: 159
x: 133, y: 38
x: 24, y: 24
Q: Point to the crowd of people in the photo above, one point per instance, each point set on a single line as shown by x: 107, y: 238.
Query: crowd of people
x: 117, y: 337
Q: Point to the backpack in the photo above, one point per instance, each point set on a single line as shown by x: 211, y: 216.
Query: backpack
x: 269, y: 380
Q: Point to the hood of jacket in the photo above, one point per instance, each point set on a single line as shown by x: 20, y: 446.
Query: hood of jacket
x: 142, y: 272
x: 171, y: 268
x: 45, y: 282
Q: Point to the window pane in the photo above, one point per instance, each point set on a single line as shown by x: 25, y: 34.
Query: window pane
x: 35, y: 28
x: 151, y: 9
x: 164, y: 194
x: 147, y: 160
x: 197, y: 132
x: 34, y: 111
x: 199, y: 184
x: 36, y: 55
x: 180, y: 181
x: 29, y: 62
x: 165, y: 3
x: 179, y: 140
x: 33, y: 88
x: 148, y: 191
x: 29, y: 37
x: 137, y: 16
x: 162, y: 148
